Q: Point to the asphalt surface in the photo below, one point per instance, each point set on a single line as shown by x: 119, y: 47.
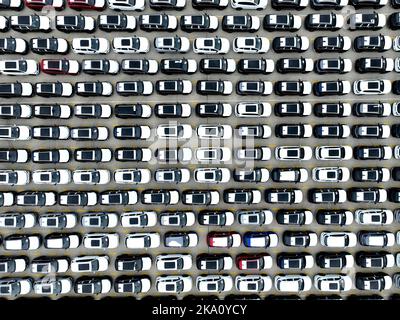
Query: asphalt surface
x: 194, y: 121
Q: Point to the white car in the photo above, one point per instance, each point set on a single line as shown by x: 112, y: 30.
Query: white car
x: 251, y: 45
x: 253, y: 109
x: 173, y: 262
x: 209, y: 131
x: 139, y: 219
x: 165, y: 87
x: 172, y: 175
x: 374, y: 216
x: 126, y: 5
x: 101, y: 240
x: 90, y: 264
x: 262, y: 240
x: 172, y: 44
x: 253, y: 283
x: 388, y: 43
x: 94, y: 88
x: 22, y: 242
x: 334, y: 239
x: 175, y: 131
x: 330, y: 174
x: 130, y: 44
x: 19, y: 67
x: 59, y: 133
x: 212, y: 175
x: 13, y: 264
x: 372, y: 86
x: 15, y: 286
x: 147, y: 20
x: 90, y: 45
x: 55, y: 45
x: 333, y: 282
x: 14, y: 177
x: 99, y: 220
x: 377, y: 239
x: 59, y: 220
x: 40, y: 23
x: 13, y: 4
x: 292, y: 283
x: 254, y: 131
x: 293, y: 153
x: 225, y: 218
x: 209, y: 155
x: 249, y: 4
x: 14, y: 132
x: 214, y: 283
x: 62, y: 111
x: 51, y: 176
x: 260, y: 153
x: 177, y: 219
x: 139, y: 87
x: 290, y: 175
x: 255, y: 217
x: 20, y: 89
x: 54, y: 286
x: 91, y: 176
x: 334, y: 152
x: 214, y: 45
x: 62, y: 241
x: 142, y: 240
x: 190, y: 198
x: 173, y: 284
x: 49, y: 265
x: 358, y: 21
x: 132, y: 176
x: 39, y: 198
x: 7, y: 199
x: 17, y: 220
x: 89, y: 23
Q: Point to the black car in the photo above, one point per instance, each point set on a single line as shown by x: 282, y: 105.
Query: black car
x: 330, y: 131
x: 288, y: 4
x: 293, y: 65
x: 290, y: 44
x: 394, y: 195
x: 213, y: 110
x: 396, y: 174
x: 329, y: 88
x: 129, y: 111
x: 178, y: 66
x: 332, y: 217
x: 328, y: 260
x: 327, y: 4
x: 128, y: 132
x: 289, y: 130
x: 372, y: 259
x: 378, y: 43
x: 170, y: 110
x: 332, y: 65
x: 332, y: 44
x: 280, y: 22
x: 253, y: 66
x: 117, y: 22
x: 295, y: 217
x: 160, y: 5
x: 297, y: 238
x: 239, y: 23
x: 210, y: 87
x: 394, y: 21
x: 165, y: 87
x: 290, y: 109
x: 248, y: 175
x: 212, y: 218
x: 395, y: 4
x: 365, y: 195
x: 296, y: 88
x: 208, y: 4
x: 328, y: 21
x: 332, y: 109
x: 368, y: 3
x: 396, y: 87
x: 217, y: 65
x: 73, y: 23
x: 156, y: 22
x: 9, y: 45
x: 370, y: 109
x: 370, y: 152
x: 201, y: 22
x: 379, y: 65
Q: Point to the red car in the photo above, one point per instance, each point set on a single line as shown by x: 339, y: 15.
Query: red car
x: 87, y: 4
x: 40, y: 4
x: 224, y: 239
x: 59, y: 66
x: 254, y: 262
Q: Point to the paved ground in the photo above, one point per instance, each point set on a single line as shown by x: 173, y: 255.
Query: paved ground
x: 194, y: 121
